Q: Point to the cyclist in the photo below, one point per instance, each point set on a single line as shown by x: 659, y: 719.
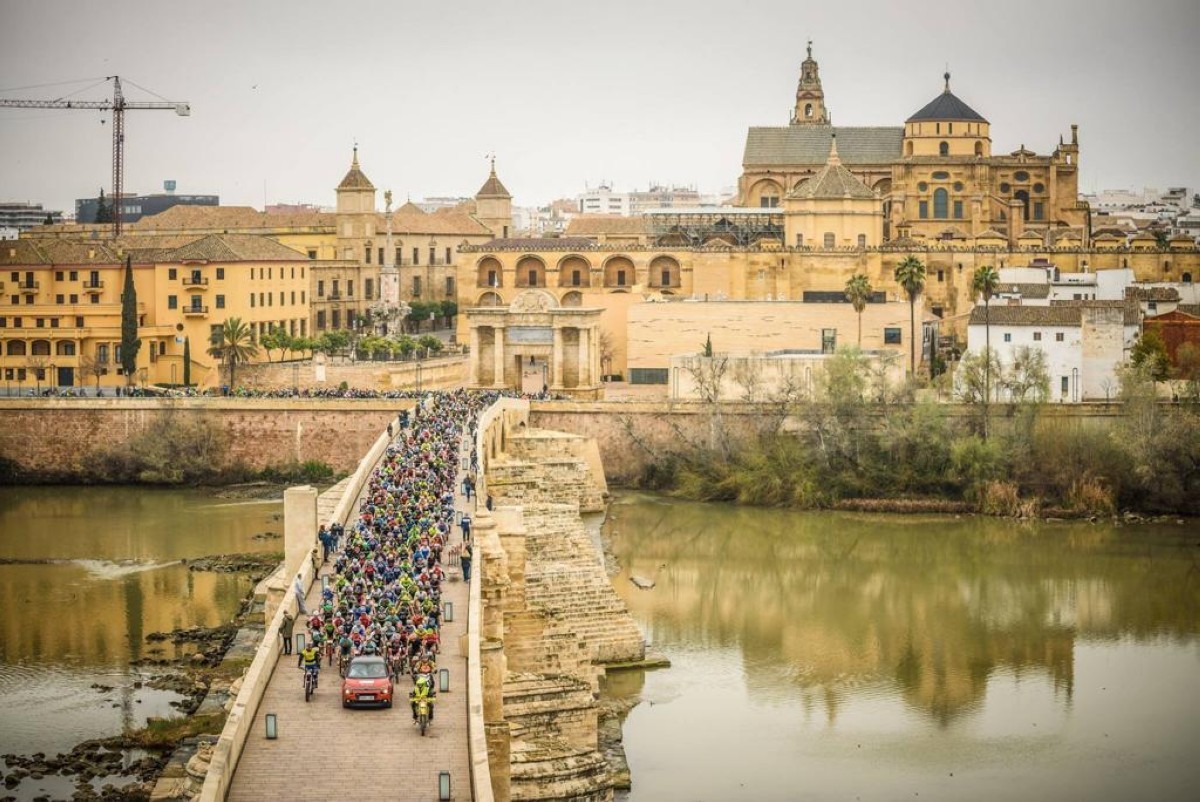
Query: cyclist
x: 310, y: 661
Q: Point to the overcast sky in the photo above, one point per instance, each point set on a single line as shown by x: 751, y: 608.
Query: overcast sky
x: 568, y: 93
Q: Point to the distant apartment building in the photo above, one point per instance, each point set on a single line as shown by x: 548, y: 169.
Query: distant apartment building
x: 135, y: 207
x: 602, y: 200
x: 24, y: 216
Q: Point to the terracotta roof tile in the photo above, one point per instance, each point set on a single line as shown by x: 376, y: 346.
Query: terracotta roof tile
x: 600, y: 224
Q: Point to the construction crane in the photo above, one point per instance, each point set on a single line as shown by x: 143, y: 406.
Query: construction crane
x: 118, y: 106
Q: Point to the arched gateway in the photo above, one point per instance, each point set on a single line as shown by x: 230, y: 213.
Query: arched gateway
x: 536, y: 343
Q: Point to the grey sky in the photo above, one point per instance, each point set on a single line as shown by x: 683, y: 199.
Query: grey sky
x: 570, y: 92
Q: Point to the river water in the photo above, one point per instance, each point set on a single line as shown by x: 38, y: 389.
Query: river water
x: 85, y: 575
x: 870, y: 657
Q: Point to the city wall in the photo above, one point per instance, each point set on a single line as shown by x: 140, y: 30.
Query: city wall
x: 428, y: 374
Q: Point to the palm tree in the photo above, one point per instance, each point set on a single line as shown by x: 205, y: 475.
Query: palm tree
x: 983, y: 285
x: 858, y: 292
x: 910, y: 275
x: 236, y: 345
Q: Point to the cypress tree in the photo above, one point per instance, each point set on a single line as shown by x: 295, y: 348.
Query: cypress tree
x: 104, y: 212
x: 130, y: 344
x: 187, y: 361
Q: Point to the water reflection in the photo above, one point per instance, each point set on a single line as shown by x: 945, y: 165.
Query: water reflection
x: 85, y: 575
x: 830, y: 656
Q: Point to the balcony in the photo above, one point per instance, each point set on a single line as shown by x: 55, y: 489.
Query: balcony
x: 195, y: 311
x: 28, y: 286
x: 93, y: 286
x: 335, y: 296
x: 195, y: 281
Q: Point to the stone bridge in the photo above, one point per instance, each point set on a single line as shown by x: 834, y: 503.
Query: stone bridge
x: 533, y: 633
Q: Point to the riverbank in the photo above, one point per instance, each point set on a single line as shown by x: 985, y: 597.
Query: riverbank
x: 202, y: 676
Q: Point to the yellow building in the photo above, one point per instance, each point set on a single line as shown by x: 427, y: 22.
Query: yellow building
x: 936, y: 174
x: 60, y: 312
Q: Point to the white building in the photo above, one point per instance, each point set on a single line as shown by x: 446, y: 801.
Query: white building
x: 602, y: 200
x: 1084, y: 342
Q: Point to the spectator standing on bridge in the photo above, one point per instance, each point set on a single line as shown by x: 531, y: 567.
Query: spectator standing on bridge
x: 465, y: 560
x: 465, y: 525
x: 285, y: 631
x: 326, y: 542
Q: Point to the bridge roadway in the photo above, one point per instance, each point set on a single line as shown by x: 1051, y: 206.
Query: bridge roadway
x: 325, y: 752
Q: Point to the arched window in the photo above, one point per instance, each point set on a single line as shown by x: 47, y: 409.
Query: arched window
x: 490, y: 273
x: 16, y: 348
x: 830, y: 240
x: 908, y: 148
x: 618, y: 272
x: 65, y: 348
x: 574, y: 271
x: 1186, y: 278
x: 531, y: 272
x: 808, y: 110
x: 978, y: 148
x: 941, y: 203
x: 40, y: 348
x: 862, y: 240
x: 664, y: 272
x: 1023, y: 197
x: 943, y: 148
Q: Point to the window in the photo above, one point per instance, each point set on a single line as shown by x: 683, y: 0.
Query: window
x: 58, y: 275
x: 1020, y: 175
x: 40, y: 322
x: 293, y: 300
x: 533, y: 277
x: 321, y: 319
x: 367, y: 257
x: 251, y: 300
x: 432, y: 255
x: 220, y: 302
x: 302, y: 301
x: 370, y: 287
x: 350, y: 288
x: 447, y: 256
x: 1058, y: 337
x: 399, y: 257
x: 381, y: 256
x: 829, y: 239
x: 862, y: 240
x: 270, y: 273
x: 950, y: 128
x: 941, y: 276
x: 828, y: 341
x: 1065, y: 384
x: 60, y: 299
x: 336, y: 319
x: 197, y: 302
x: 978, y: 148
x: 808, y: 110
x: 577, y: 277
x: 102, y: 353
x: 449, y: 286
x: 3, y: 322
x: 943, y: 148
x: 172, y: 274
x: 958, y: 210
x: 220, y: 274
x: 768, y: 202
x: 1038, y: 210
x: 620, y: 278
x: 416, y: 256
x: 312, y: 253
x: 320, y: 289
x: 1007, y: 337
x: 79, y: 321
x: 892, y: 335
x: 923, y: 209
x: 941, y: 202
x: 73, y: 298
x: 74, y: 274
x: 416, y: 287
x: 172, y: 302
x: 491, y: 282
x: 1037, y: 336
x: 940, y: 175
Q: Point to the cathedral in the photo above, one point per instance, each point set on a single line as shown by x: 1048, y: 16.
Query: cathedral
x: 936, y: 176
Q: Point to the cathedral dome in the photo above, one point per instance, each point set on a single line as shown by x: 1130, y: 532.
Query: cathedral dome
x: 947, y: 106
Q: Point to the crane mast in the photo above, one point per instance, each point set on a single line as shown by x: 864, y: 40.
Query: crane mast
x: 118, y: 106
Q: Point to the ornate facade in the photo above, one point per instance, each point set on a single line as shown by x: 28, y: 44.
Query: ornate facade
x: 936, y: 175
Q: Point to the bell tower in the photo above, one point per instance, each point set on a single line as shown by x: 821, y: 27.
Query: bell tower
x: 810, y: 98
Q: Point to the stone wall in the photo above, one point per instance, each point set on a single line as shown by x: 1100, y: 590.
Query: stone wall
x: 434, y: 374
x: 54, y: 437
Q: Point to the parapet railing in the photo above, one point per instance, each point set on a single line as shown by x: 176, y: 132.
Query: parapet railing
x: 232, y: 742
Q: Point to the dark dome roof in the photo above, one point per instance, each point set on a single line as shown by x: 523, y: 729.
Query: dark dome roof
x: 947, y: 106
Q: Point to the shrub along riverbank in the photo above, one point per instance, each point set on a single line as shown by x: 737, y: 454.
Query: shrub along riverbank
x: 178, y: 449
x: 858, y: 444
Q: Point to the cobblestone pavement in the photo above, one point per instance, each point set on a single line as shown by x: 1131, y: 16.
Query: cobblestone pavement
x: 325, y: 752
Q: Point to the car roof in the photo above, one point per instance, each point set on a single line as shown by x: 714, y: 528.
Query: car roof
x: 367, y: 659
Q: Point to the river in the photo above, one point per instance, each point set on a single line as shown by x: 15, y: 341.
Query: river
x: 871, y: 657
x: 85, y: 575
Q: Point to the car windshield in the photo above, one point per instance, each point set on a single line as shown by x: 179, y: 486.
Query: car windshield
x: 372, y: 670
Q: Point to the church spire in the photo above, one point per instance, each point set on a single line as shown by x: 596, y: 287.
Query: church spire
x: 810, y: 98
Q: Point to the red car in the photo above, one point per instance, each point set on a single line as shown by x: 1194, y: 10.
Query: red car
x: 367, y: 682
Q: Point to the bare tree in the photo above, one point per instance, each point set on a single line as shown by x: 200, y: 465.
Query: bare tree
x: 708, y: 373
x: 92, y: 365
x: 607, y: 352
x: 747, y: 373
